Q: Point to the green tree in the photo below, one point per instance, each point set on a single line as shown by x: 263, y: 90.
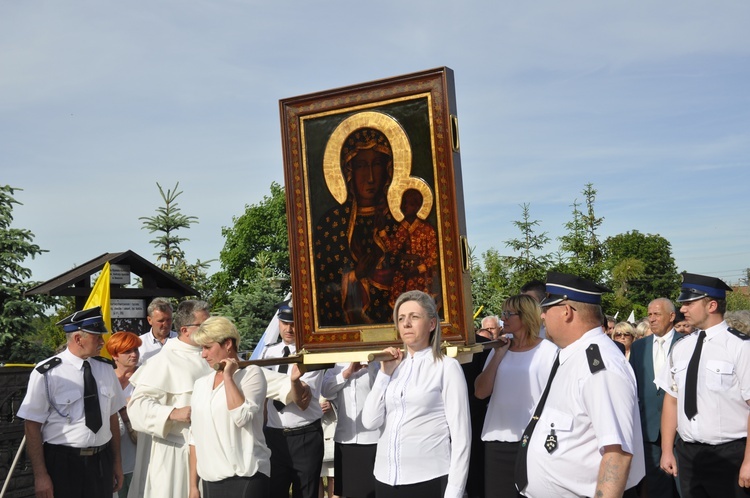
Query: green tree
x: 17, y: 313
x: 529, y: 264
x: 643, y: 264
x: 582, y: 252
x: 167, y: 222
x: 257, y: 241
x: 489, y: 282
x: 252, y: 310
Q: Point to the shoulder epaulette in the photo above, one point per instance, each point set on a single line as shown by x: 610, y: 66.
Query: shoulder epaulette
x: 595, y: 358
x: 739, y: 334
x: 105, y: 360
x: 49, y: 365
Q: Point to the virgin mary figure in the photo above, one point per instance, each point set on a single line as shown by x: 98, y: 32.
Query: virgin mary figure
x: 353, y: 270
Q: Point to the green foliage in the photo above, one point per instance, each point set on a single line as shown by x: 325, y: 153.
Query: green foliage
x: 167, y: 222
x: 738, y: 300
x: 530, y: 264
x: 489, y: 285
x: 642, y: 268
x: 581, y: 252
x: 252, y: 310
x: 256, y: 246
x: 16, y: 312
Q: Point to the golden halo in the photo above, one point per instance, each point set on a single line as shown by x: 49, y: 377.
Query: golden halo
x: 397, y: 191
x: 400, y: 145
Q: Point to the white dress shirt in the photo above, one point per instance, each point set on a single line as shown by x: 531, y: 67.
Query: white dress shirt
x: 150, y: 345
x: 587, y: 412
x: 423, y: 412
x: 63, y: 421
x: 666, y: 342
x: 229, y: 442
x: 292, y: 415
x: 723, y: 386
x: 350, y: 395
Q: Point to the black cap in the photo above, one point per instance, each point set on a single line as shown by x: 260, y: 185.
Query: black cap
x: 89, y: 320
x: 696, y: 287
x: 562, y: 286
x: 286, y: 314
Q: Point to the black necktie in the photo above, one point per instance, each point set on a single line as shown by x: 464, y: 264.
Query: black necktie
x: 91, y: 408
x: 521, y: 474
x: 691, y: 379
x: 284, y: 368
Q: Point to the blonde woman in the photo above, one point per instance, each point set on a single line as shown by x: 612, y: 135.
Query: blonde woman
x: 624, y: 333
x: 515, y: 374
x: 227, y: 447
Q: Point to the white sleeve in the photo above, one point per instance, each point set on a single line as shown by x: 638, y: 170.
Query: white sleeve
x: 373, y: 414
x: 456, y: 402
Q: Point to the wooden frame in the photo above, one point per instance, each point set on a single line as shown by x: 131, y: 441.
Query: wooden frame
x: 356, y: 240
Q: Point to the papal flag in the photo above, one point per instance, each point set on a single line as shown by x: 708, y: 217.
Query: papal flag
x: 100, y: 297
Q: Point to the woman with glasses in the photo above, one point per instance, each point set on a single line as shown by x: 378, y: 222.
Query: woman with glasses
x: 624, y: 333
x: 123, y: 348
x: 515, y: 374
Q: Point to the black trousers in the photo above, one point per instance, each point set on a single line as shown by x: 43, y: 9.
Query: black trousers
x: 434, y: 488
x: 75, y: 476
x: 353, y: 466
x: 710, y: 471
x: 657, y: 483
x: 296, y: 460
x: 255, y: 486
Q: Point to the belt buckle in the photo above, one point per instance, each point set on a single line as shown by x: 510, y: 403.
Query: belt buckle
x: 88, y: 451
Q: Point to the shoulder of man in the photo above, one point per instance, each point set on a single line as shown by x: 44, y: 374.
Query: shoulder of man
x: 108, y: 361
x: 269, y: 349
x: 740, y: 335
x: 594, y: 358
x: 48, y: 365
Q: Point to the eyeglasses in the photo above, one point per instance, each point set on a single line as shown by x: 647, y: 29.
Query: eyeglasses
x: 621, y: 334
x: 508, y: 314
x: 193, y: 325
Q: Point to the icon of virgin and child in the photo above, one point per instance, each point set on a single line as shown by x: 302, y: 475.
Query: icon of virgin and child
x: 364, y: 256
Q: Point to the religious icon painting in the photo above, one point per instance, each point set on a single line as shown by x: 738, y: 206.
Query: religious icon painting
x: 375, y: 208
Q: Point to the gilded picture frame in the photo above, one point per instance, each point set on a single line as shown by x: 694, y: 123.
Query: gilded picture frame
x: 374, y: 208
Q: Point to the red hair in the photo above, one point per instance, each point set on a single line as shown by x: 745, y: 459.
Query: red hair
x: 122, y: 341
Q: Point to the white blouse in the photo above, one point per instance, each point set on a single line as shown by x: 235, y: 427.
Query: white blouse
x: 423, y: 412
x: 230, y: 442
x: 519, y: 383
x: 350, y: 395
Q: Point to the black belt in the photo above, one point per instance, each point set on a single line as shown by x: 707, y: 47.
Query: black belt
x: 78, y: 451
x: 742, y: 440
x: 293, y: 431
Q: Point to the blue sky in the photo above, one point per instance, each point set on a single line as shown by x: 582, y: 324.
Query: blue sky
x: 649, y: 101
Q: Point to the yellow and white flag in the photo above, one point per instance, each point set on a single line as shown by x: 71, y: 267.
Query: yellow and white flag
x: 100, y: 297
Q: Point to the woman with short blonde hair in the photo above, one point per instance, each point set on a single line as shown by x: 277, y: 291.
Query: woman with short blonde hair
x: 227, y: 447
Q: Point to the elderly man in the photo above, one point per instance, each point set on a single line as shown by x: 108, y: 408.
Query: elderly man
x: 648, y: 357
x: 709, y: 390
x: 160, y: 408
x: 160, y: 319
x: 70, y: 408
x: 492, y: 326
x: 584, y: 438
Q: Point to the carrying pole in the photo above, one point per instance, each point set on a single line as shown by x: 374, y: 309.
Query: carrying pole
x: 13, y: 467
